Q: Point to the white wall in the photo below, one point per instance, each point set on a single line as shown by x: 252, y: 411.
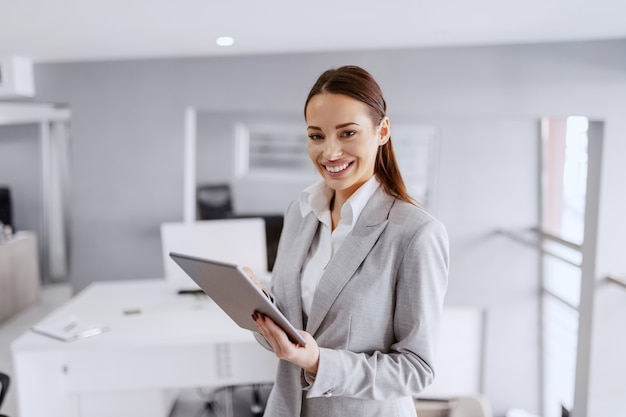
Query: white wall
x: 127, y: 159
x: 608, y: 365
x: 487, y: 183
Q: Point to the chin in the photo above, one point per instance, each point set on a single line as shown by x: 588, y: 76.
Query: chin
x: 339, y: 184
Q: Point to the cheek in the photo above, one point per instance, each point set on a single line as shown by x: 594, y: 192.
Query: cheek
x: 369, y: 153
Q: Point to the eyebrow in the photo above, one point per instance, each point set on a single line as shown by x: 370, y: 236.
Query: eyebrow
x: 339, y: 126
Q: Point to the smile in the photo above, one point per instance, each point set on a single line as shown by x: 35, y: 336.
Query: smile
x: 337, y: 168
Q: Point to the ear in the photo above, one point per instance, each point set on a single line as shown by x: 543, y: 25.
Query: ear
x: 384, y: 131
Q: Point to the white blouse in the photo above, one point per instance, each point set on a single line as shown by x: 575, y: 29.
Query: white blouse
x: 326, y: 241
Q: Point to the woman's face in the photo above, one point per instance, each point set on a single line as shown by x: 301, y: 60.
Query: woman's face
x: 343, y: 140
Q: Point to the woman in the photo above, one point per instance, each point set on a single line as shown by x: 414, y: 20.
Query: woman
x: 360, y: 267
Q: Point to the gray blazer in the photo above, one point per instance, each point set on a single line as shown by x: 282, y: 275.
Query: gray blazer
x: 375, y: 312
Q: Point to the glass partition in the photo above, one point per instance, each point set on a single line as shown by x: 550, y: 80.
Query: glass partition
x: 571, y: 156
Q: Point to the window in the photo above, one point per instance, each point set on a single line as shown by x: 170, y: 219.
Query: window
x: 278, y: 151
x: 564, y: 195
x: 272, y: 150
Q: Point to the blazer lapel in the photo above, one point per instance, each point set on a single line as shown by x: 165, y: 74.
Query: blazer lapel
x: 350, y: 255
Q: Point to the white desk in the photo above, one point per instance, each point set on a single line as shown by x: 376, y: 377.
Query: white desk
x: 135, y: 368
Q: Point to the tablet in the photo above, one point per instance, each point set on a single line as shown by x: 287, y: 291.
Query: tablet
x: 234, y: 292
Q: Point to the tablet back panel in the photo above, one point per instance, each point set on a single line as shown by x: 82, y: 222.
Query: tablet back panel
x: 229, y: 286
x: 224, y: 285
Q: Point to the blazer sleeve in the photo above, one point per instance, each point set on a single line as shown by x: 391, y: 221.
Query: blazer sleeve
x: 406, y: 368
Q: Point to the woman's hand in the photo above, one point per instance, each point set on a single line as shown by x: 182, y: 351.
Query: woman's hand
x: 307, y: 357
x: 256, y: 281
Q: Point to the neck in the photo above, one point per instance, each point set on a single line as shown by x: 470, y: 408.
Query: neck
x: 336, y: 203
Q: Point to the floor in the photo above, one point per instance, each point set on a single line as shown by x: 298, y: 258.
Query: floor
x: 191, y: 403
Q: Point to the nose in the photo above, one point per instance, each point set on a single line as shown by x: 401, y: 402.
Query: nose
x: 332, y: 149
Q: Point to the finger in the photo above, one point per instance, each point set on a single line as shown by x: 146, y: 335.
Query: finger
x: 260, y: 323
x: 250, y: 273
x: 263, y: 324
x: 255, y: 280
x: 283, y: 347
x: 276, y: 337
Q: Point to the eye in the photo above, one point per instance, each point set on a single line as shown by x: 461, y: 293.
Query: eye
x: 348, y: 133
x: 315, y: 136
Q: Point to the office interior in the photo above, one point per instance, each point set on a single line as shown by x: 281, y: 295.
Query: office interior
x: 127, y: 174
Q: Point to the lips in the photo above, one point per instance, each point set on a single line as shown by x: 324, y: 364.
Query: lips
x: 337, y: 168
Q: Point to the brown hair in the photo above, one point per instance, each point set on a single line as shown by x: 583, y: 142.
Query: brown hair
x: 357, y: 83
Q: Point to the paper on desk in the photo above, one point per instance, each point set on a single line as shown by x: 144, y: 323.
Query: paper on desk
x: 68, y: 329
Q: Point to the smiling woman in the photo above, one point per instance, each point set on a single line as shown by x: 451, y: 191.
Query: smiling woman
x: 343, y: 142
x: 360, y: 268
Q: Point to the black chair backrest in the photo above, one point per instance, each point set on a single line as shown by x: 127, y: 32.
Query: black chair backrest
x: 214, y: 201
x: 6, y: 212
x: 4, y: 386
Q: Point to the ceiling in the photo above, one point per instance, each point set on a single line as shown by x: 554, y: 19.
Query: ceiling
x: 79, y: 30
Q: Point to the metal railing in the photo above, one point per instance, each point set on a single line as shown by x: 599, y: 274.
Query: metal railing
x: 614, y: 279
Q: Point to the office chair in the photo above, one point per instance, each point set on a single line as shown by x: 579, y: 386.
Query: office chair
x: 237, y: 401
x: 214, y: 201
x: 4, y: 387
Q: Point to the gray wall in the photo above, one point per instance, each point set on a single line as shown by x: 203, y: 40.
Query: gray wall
x: 127, y: 158
x: 216, y: 156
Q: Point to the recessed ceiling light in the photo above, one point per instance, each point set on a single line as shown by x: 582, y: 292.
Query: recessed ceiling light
x: 225, y: 41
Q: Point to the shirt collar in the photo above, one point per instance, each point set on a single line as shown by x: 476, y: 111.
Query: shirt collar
x: 317, y: 196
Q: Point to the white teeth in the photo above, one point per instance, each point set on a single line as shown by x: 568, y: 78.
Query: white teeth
x: 337, y: 168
